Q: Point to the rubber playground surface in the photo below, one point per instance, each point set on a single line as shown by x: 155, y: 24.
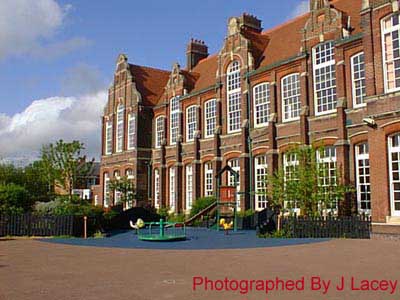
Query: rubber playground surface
x: 197, y: 239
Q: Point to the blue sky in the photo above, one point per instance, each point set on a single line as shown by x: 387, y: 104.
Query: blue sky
x: 56, y: 49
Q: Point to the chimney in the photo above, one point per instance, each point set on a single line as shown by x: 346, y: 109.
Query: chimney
x: 318, y: 4
x: 250, y: 22
x: 196, y: 51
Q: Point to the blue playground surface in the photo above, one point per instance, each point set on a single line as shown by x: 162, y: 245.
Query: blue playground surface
x: 197, y: 239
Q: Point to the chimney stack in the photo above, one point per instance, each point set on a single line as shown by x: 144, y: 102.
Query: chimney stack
x: 196, y: 51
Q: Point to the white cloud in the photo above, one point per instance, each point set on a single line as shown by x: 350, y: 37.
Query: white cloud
x: 47, y: 120
x: 300, y: 9
x: 28, y: 26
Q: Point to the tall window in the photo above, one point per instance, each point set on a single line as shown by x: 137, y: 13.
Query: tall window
x: 291, y: 97
x: 172, y: 189
x: 157, y: 186
x: 326, y: 158
x: 261, y: 182
x: 394, y: 169
x: 234, y: 97
x: 109, y: 137
x: 324, y: 78
x: 174, y: 120
x: 208, y: 180
x: 129, y: 174
x: 290, y: 165
x: 234, y: 164
x: 210, y: 109
x: 358, y: 79
x: 189, y: 187
x: 261, y: 95
x: 160, y: 131
x: 117, y: 194
x: 362, y: 177
x: 131, y: 131
x: 120, y: 127
x: 391, y: 55
x: 191, y: 122
x: 106, y: 191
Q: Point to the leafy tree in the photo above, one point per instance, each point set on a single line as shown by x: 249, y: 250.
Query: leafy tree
x: 125, y: 187
x: 14, y: 199
x: 310, y: 185
x: 63, y: 163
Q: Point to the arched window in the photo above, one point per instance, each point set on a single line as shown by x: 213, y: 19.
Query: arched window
x: 234, y: 164
x: 157, y: 188
x: 208, y: 179
x: 234, y: 95
x: 189, y: 187
x: 358, y: 79
x: 106, y: 192
x: 391, y: 52
x: 174, y: 120
x: 172, y: 189
x: 261, y: 98
x: 191, y: 122
x: 160, y: 130
x: 291, y: 104
x: 131, y: 131
x: 394, y: 170
x: 363, y: 178
x: 210, y: 114
x: 120, y: 127
x: 324, y: 78
x: 261, y: 182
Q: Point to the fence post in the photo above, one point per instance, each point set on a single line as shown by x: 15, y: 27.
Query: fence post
x: 85, y: 227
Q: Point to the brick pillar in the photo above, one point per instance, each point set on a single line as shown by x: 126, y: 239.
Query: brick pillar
x: 272, y: 153
x: 196, y: 167
x: 163, y: 177
x: 304, y: 138
x: 368, y: 44
x: 217, y: 161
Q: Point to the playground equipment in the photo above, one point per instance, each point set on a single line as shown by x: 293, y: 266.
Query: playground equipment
x: 226, y: 226
x: 226, y: 198
x: 162, y: 232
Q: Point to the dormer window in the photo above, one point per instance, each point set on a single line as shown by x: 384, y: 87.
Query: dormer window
x: 234, y: 94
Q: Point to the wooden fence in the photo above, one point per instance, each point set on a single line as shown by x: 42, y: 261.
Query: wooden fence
x: 354, y: 227
x: 32, y: 225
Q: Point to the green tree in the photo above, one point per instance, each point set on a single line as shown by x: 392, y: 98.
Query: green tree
x: 125, y: 187
x: 14, y: 199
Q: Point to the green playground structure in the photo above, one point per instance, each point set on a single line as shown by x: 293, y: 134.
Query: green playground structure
x: 162, y: 232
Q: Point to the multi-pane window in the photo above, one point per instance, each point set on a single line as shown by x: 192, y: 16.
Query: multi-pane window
x: 358, y: 78
x: 291, y: 97
x: 191, y: 122
x: 109, y: 137
x: 290, y: 165
x: 261, y: 95
x: 131, y: 131
x: 117, y: 194
x: 234, y: 164
x: 208, y: 180
x: 234, y: 97
x: 261, y: 182
x: 157, y: 188
x: 391, y: 55
x: 106, y: 191
x: 394, y: 168
x: 210, y: 108
x: 174, y: 120
x: 363, y: 178
x: 189, y: 187
x: 160, y: 131
x: 129, y: 174
x: 324, y: 78
x: 120, y: 127
x: 172, y: 189
x: 326, y: 159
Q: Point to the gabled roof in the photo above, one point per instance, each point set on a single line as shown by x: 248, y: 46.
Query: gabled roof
x: 150, y: 82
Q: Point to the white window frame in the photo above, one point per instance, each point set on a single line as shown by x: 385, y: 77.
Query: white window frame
x: 131, y: 131
x: 291, y: 97
x: 210, y: 117
x: 359, y: 83
x: 290, y: 162
x: 120, y: 128
x: 129, y: 174
x: 362, y: 186
x: 160, y: 131
x: 261, y: 173
x: 384, y: 32
x: 208, y: 179
x: 234, y: 97
x: 174, y: 120
x: 189, y: 187
x: 172, y: 189
x: 157, y: 188
x: 261, y: 101
x: 394, y: 182
x: 235, y: 165
x: 117, y: 194
x: 191, y: 122
x: 329, y: 160
x: 320, y: 66
x: 109, y: 138
x: 106, y: 191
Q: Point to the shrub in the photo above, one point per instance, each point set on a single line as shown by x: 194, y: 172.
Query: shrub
x: 246, y: 213
x: 200, y: 204
x: 176, y: 218
x: 163, y: 212
x: 14, y: 199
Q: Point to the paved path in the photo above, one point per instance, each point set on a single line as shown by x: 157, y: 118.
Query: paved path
x: 34, y: 270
